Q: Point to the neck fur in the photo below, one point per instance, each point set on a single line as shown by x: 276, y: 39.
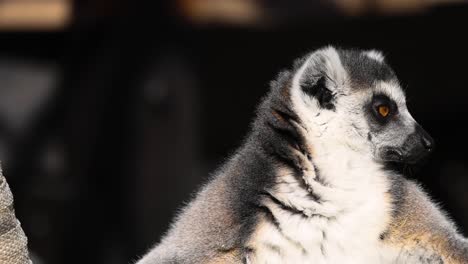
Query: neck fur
x: 336, y: 179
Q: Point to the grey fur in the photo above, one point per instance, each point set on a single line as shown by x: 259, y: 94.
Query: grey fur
x: 216, y: 226
x: 364, y: 71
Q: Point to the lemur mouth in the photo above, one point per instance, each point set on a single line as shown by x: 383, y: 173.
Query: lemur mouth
x: 418, y: 158
x: 392, y: 155
x: 396, y: 156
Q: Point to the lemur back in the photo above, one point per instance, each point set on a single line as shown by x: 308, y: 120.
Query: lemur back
x: 312, y: 182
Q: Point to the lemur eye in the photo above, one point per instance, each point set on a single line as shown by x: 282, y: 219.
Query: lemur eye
x: 383, y: 110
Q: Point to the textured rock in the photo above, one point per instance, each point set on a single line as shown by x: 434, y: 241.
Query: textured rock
x: 13, y: 241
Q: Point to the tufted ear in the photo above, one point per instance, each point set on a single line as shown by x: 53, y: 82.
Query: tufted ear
x: 321, y: 76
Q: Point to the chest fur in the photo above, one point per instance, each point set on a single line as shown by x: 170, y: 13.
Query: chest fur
x: 296, y: 239
x: 342, y: 225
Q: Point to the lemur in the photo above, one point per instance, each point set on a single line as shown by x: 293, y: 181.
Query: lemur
x: 312, y: 182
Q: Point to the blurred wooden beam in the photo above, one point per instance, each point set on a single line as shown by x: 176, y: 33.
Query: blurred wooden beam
x: 389, y: 7
x: 240, y: 12
x: 17, y: 15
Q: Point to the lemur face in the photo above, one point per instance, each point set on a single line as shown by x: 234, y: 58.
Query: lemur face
x: 352, y: 99
x: 391, y: 130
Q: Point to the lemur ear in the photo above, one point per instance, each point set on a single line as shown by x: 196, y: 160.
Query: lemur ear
x: 375, y: 55
x: 322, y: 75
x: 318, y: 89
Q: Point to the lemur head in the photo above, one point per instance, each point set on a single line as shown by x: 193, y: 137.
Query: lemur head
x: 352, y: 99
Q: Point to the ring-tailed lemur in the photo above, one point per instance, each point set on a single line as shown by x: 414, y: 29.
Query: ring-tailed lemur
x: 311, y: 184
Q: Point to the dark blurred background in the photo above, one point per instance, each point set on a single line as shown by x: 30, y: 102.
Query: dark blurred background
x: 113, y: 112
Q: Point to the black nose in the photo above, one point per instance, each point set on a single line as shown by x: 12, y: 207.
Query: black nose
x: 428, y: 143
x: 417, y: 146
x: 426, y: 140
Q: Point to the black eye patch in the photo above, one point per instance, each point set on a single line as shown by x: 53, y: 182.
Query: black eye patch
x: 319, y: 90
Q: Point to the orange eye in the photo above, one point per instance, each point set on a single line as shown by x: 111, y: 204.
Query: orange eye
x: 384, y: 110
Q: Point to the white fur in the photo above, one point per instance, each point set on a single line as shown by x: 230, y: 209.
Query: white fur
x: 357, y: 215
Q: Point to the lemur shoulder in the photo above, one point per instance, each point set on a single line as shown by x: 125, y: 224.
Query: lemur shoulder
x: 311, y: 182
